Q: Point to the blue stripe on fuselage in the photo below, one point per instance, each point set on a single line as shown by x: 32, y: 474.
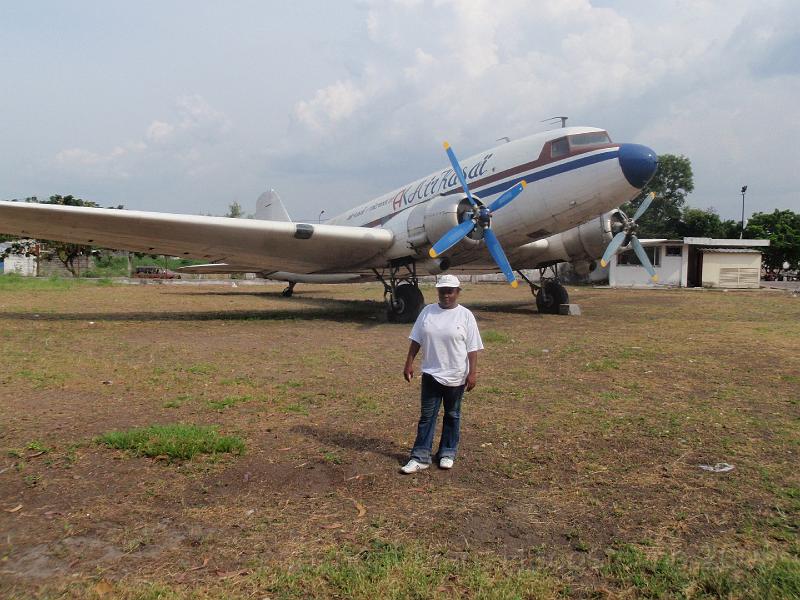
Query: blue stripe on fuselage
x: 545, y: 173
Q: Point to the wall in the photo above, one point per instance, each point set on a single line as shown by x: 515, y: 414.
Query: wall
x: 22, y: 265
x: 714, y: 261
x: 670, y: 272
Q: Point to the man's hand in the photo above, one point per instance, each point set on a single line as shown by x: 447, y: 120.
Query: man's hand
x: 472, y: 379
x: 408, y: 370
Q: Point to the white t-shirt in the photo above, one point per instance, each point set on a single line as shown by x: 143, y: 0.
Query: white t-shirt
x: 446, y: 336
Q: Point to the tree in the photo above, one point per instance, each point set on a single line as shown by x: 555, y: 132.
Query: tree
x: 67, y: 253
x: 730, y: 229
x: 782, y: 229
x: 671, y: 184
x: 235, y: 211
x: 696, y: 222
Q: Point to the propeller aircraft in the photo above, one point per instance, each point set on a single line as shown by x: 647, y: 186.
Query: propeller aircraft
x: 529, y: 203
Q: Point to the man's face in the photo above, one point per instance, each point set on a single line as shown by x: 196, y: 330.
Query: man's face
x: 448, y: 297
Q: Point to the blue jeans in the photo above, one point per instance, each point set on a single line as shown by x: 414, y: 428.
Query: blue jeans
x: 432, y: 395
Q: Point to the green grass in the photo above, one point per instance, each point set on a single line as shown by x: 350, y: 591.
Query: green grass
x: 381, y: 570
x: 37, y: 446
x: 178, y: 402
x: 174, y: 441
x: 201, y: 369
x: 669, y: 577
x: 42, y: 378
x: 604, y: 364
x: 366, y: 403
x: 228, y: 401
x: 331, y: 457
x: 394, y: 571
x: 490, y: 336
x: 664, y: 577
x: 296, y: 408
x: 13, y: 282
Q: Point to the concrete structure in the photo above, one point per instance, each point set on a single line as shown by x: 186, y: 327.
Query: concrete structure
x: 731, y: 267
x: 17, y: 263
x: 692, y: 262
x: 29, y: 266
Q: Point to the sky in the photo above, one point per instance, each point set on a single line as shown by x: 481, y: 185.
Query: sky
x: 188, y: 106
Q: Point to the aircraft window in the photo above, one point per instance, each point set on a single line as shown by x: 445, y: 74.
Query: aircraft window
x: 594, y: 138
x: 629, y: 258
x: 559, y: 148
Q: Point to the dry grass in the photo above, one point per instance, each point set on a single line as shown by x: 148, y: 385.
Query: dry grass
x: 579, y: 454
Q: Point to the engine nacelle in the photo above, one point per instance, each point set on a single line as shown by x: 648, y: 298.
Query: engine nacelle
x: 428, y: 222
x: 581, y: 245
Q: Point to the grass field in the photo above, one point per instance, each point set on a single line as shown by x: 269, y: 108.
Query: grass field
x: 207, y: 442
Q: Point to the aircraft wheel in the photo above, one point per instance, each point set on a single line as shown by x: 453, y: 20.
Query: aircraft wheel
x: 408, y: 302
x: 550, y: 297
x: 287, y: 293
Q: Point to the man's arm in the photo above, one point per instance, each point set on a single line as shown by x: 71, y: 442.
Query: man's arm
x: 408, y: 371
x: 472, y: 376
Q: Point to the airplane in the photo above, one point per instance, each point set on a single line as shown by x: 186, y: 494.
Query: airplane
x: 529, y: 203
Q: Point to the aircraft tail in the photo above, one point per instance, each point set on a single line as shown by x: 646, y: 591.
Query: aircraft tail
x: 270, y: 208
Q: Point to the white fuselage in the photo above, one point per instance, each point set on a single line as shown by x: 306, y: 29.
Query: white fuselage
x: 563, y: 191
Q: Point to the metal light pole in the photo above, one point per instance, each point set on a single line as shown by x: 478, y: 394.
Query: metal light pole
x: 741, y: 233
x: 319, y: 218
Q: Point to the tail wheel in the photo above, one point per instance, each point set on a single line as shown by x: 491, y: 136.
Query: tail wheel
x: 551, y: 295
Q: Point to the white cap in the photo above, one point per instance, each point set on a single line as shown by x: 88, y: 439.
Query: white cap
x: 448, y: 281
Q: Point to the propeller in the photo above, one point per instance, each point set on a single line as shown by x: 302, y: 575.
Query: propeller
x: 481, y: 216
x: 628, y: 236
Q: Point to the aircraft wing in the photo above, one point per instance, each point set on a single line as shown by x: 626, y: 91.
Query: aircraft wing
x: 269, y: 245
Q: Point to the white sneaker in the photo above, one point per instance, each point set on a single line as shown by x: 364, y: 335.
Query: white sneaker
x: 413, y: 466
x: 446, y: 463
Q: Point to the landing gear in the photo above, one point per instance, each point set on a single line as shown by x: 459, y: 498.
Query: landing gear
x: 403, y: 299
x: 287, y: 293
x: 550, y: 297
x: 550, y: 294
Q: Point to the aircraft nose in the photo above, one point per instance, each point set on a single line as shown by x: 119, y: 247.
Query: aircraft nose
x: 638, y: 163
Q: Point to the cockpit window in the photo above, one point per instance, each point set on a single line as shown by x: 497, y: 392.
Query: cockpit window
x: 559, y: 148
x: 595, y: 138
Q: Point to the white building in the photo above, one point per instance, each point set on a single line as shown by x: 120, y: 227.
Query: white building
x: 692, y: 262
x: 16, y: 263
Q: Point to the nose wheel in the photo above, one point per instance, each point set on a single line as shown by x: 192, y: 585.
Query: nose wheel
x: 550, y: 297
x: 550, y: 294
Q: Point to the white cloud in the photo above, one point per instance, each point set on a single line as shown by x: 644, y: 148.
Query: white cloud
x: 472, y: 70
x: 186, y: 145
x: 360, y: 96
x: 159, y: 131
x: 331, y: 104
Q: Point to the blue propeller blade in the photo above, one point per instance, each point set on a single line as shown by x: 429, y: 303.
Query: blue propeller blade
x: 639, y: 249
x: 460, y: 172
x: 612, y: 248
x: 452, y: 237
x: 499, y: 256
x: 508, y: 196
x: 644, y: 205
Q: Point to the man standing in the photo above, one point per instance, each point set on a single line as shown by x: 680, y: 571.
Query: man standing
x: 449, y: 338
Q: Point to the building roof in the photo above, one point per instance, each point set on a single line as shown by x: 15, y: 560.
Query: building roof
x: 730, y: 250
x: 730, y: 243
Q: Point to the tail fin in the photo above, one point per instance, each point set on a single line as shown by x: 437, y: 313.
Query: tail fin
x: 270, y: 208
